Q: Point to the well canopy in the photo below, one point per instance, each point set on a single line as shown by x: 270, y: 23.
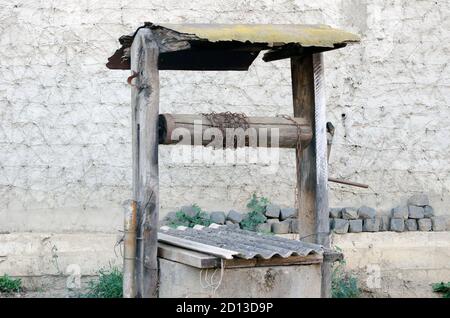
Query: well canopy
x: 231, y: 46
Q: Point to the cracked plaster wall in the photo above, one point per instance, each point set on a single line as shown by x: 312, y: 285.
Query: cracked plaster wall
x: 65, y: 159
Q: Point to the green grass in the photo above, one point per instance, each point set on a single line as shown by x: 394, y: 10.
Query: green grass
x: 10, y: 285
x: 344, y: 284
x: 257, y: 207
x: 108, y: 284
x: 443, y: 288
x: 181, y: 218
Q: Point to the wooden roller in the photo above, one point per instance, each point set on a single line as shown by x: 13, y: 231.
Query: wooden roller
x: 174, y: 128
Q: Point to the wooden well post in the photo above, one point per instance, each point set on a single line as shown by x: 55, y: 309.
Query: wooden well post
x: 174, y: 43
x: 145, y: 111
x: 312, y: 172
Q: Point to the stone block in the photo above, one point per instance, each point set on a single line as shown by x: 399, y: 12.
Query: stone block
x: 411, y: 225
x: 349, y: 213
x: 336, y: 213
x: 234, y: 216
x: 340, y: 226
x: 415, y: 212
x: 371, y: 225
x: 295, y: 226
x: 397, y: 224
x: 400, y: 212
x: 232, y: 225
x: 272, y: 221
x: 263, y: 227
x: 419, y: 200
x: 439, y: 223
x: 428, y: 211
x: 217, y: 217
x: 366, y: 212
x: 355, y: 226
x: 286, y: 213
x: 281, y: 227
x: 425, y: 225
x: 272, y: 211
x: 189, y: 210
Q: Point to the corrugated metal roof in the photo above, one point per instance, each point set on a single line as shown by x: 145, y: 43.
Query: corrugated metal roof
x: 240, y: 243
x: 273, y: 34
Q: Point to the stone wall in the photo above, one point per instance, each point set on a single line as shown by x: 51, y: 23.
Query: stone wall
x: 65, y: 163
x: 390, y: 264
x: 416, y: 214
x: 387, y: 264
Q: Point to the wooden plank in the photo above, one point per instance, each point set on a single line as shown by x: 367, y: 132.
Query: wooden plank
x: 188, y: 257
x: 135, y: 164
x: 320, y: 132
x: 195, y: 246
x: 303, y: 101
x: 145, y: 111
x: 289, y: 51
x: 322, y: 219
x: 312, y: 172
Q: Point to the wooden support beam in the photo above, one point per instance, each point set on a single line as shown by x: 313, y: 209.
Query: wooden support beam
x: 288, y: 51
x: 145, y: 111
x: 129, y: 250
x: 303, y: 102
x: 322, y: 213
x: 282, y: 132
x: 312, y: 172
x: 320, y: 134
x: 295, y: 50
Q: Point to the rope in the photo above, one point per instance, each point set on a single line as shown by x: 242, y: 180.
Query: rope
x: 209, y: 282
x: 226, y: 120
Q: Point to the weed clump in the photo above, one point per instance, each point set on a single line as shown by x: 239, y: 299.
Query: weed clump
x: 108, y: 284
x: 10, y: 285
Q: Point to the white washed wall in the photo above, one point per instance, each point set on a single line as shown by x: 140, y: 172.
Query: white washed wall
x: 65, y: 159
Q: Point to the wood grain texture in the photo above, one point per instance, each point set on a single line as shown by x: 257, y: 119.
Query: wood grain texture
x: 188, y: 257
x: 312, y: 172
x: 322, y: 224
x: 145, y: 111
x: 286, y: 131
x: 303, y: 101
x: 129, y: 249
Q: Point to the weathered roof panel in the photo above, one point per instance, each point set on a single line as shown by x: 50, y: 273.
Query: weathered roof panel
x: 273, y: 34
x: 231, y: 46
x: 239, y: 243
